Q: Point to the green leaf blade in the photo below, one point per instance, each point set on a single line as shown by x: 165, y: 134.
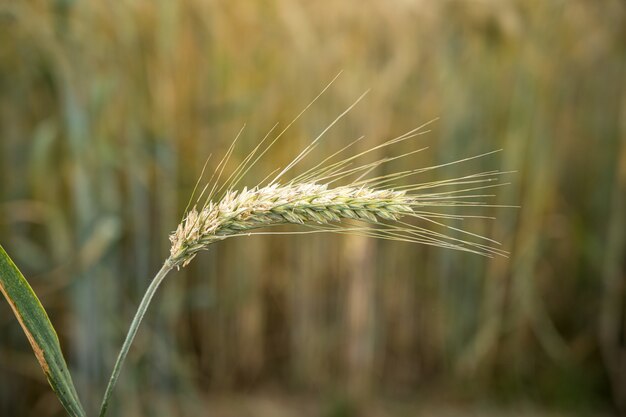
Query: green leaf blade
x: 40, y: 333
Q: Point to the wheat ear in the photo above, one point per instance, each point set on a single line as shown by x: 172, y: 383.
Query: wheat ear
x: 241, y: 211
x: 312, y: 199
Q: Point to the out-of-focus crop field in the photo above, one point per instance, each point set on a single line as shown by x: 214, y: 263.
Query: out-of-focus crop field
x: 108, y: 111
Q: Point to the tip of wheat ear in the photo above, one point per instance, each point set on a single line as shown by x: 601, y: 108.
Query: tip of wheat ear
x: 240, y: 211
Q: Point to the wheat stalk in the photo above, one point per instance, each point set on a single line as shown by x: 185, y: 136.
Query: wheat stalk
x: 304, y: 201
x: 317, y: 200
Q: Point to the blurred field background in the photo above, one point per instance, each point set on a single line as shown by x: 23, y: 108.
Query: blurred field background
x: 108, y: 111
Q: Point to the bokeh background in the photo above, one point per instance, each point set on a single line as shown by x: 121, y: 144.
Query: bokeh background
x: 108, y: 111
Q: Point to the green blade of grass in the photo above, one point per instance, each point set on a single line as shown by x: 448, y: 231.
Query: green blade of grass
x: 40, y: 333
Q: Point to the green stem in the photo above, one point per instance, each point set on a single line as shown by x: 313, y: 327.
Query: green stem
x: 132, y: 331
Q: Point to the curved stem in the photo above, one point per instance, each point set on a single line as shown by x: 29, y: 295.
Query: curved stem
x: 132, y: 331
